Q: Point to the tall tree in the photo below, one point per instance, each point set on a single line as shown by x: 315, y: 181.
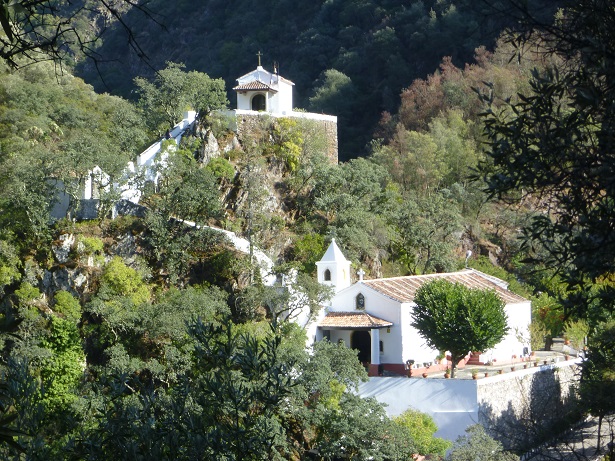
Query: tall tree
x: 42, y: 30
x: 597, y: 378
x: 173, y: 91
x: 452, y: 317
x: 477, y: 445
x: 426, y: 228
x: 556, y: 146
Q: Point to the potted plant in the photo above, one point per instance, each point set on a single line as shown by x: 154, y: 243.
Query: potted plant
x: 474, y: 374
x: 447, y: 373
x: 486, y: 374
x: 424, y: 375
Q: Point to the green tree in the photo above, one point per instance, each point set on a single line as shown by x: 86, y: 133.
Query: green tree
x: 67, y: 305
x: 9, y: 265
x: 305, y: 296
x: 308, y: 250
x: 413, y: 160
x: 335, y: 93
x: 123, y: 280
x: 477, y: 445
x: 174, y: 91
x: 597, y: 376
x: 556, y: 145
x: 421, y: 427
x: 287, y: 142
x: 453, y: 136
x: 221, y: 168
x: 452, y: 317
x: 62, y: 369
x: 178, y: 250
x: 357, y: 201
x: 61, y: 130
x: 186, y: 190
x: 427, y: 228
x: 44, y: 30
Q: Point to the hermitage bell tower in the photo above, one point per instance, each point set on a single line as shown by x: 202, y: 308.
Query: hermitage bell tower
x: 333, y: 268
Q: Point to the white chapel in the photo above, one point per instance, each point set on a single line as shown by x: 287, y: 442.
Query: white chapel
x: 261, y: 93
x: 264, y: 91
x: 375, y: 317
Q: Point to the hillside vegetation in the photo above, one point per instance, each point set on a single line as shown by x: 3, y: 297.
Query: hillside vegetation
x: 347, y: 58
x: 150, y: 337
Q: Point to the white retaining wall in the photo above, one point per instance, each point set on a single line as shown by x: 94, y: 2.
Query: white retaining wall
x: 456, y: 404
x: 452, y: 403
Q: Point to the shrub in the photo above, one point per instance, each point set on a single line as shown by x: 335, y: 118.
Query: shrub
x: 67, y: 305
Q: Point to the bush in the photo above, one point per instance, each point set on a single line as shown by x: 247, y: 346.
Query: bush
x: 27, y: 294
x: 125, y: 281
x: 89, y: 245
x: 421, y: 429
x: 576, y: 332
x: 67, y: 305
x: 221, y: 169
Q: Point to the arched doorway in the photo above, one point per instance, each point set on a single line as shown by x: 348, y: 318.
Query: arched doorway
x: 362, y: 341
x: 259, y: 103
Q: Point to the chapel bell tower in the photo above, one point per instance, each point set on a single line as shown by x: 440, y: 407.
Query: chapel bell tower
x: 333, y: 268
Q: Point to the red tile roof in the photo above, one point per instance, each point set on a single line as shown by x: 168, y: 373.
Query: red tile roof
x: 403, y: 289
x: 353, y: 320
x: 254, y: 85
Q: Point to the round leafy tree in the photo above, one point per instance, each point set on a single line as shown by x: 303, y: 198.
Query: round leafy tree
x: 452, y: 317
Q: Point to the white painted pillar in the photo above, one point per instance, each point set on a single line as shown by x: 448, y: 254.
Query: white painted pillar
x: 375, y: 333
x: 375, y: 363
x: 319, y: 335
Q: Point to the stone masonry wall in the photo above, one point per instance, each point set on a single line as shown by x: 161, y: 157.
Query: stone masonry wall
x: 247, y: 122
x: 521, y: 409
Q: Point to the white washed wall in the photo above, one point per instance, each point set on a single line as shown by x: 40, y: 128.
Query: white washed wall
x: 452, y: 403
x: 456, y: 404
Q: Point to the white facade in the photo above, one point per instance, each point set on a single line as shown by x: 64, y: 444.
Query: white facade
x: 402, y: 342
x: 389, y: 304
x: 261, y: 90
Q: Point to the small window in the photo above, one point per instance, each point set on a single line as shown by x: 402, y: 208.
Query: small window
x: 381, y: 347
x: 360, y: 301
x: 259, y: 103
x: 327, y: 275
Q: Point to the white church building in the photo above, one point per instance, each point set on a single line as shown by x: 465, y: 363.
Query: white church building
x: 375, y: 316
x: 264, y: 91
x: 261, y: 93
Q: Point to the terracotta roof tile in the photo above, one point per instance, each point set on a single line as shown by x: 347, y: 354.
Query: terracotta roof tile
x: 254, y: 85
x: 353, y: 320
x: 403, y: 289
